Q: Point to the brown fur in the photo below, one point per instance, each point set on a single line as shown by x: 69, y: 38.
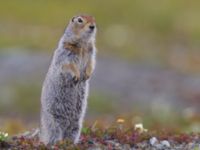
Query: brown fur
x: 75, y: 48
x: 81, y: 52
x: 89, y: 19
x: 73, y: 68
x: 89, y: 69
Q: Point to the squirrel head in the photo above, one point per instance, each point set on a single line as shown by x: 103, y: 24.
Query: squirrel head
x: 81, y: 28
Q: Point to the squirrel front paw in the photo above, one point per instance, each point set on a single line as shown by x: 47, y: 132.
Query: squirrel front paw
x: 72, y: 70
x: 88, y: 70
x: 76, y: 78
x: 87, y: 75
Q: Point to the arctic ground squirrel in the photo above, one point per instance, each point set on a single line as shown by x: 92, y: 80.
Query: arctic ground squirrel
x: 65, y: 89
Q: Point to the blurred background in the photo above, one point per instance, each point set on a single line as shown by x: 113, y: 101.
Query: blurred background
x: 148, y: 65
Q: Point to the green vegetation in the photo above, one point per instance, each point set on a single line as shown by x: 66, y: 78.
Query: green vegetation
x: 139, y: 29
x: 24, y: 99
x: 165, y: 33
x: 118, y: 136
x: 101, y: 103
x: 3, y: 136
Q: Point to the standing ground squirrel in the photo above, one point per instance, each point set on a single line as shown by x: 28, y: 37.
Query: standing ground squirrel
x: 65, y: 89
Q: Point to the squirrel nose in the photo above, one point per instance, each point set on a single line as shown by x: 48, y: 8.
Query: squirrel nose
x: 92, y: 27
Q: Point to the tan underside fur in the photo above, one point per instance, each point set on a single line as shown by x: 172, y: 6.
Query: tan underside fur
x: 73, y: 68
x: 81, y: 52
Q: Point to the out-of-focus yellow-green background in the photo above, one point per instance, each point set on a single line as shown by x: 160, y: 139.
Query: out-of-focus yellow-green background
x: 148, y: 66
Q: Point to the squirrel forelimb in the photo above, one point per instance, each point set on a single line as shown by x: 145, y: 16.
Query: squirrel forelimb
x: 71, y: 68
x: 72, y: 47
x: 89, y: 69
x: 77, y: 50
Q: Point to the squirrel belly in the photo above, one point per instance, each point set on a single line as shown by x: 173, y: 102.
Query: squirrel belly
x: 65, y: 89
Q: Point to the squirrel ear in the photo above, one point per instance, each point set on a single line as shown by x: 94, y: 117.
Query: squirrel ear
x: 73, y: 19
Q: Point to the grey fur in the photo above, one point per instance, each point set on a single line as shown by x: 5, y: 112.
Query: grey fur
x: 63, y: 100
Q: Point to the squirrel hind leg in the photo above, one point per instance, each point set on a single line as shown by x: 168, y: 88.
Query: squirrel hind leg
x: 50, y: 136
x: 72, y: 134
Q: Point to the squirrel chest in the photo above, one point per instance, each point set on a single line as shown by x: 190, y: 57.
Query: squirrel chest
x: 81, y: 52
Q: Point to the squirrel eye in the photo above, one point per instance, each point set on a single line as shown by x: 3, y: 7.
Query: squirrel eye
x: 80, y: 20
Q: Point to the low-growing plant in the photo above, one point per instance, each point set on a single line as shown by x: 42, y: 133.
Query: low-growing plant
x: 3, y: 136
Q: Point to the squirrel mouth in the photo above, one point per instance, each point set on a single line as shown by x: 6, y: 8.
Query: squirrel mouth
x: 91, y: 30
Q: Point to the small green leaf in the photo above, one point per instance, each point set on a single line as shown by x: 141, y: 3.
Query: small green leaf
x: 3, y: 136
x: 84, y: 130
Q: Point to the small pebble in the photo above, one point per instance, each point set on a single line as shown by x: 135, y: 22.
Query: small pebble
x: 159, y: 146
x: 90, y: 142
x: 153, y: 141
x: 113, y: 143
x: 190, y: 145
x: 165, y: 143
